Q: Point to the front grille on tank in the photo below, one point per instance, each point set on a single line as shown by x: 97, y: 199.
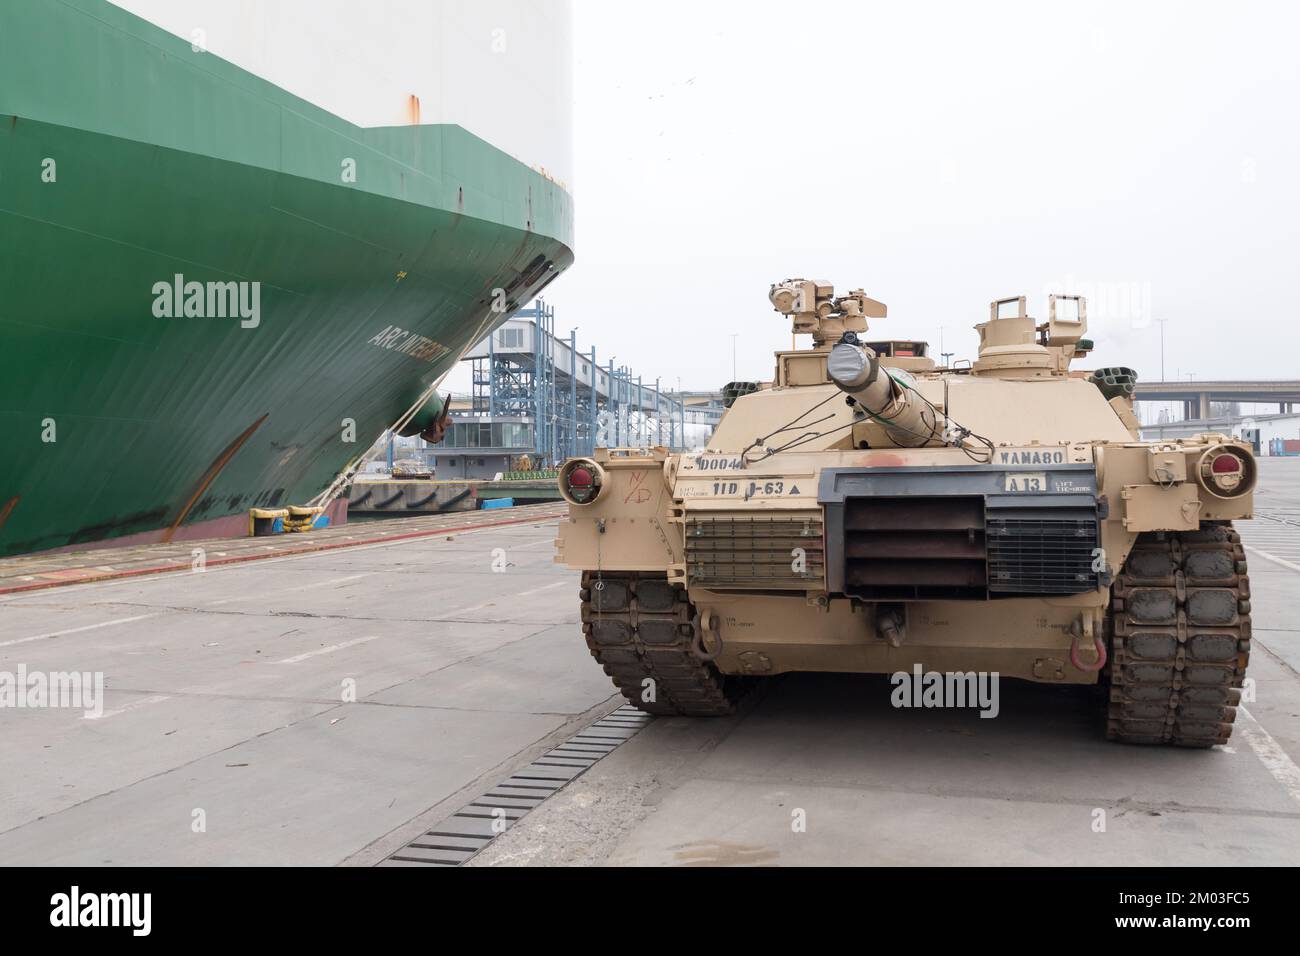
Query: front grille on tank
x: 957, y: 548
x: 1041, y: 556
x: 755, y: 551
x: 915, y: 548
x: 962, y: 532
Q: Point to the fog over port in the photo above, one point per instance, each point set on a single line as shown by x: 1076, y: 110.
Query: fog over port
x: 939, y: 155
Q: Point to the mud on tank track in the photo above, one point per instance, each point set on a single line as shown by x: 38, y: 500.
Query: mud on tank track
x: 640, y: 627
x: 1180, y: 641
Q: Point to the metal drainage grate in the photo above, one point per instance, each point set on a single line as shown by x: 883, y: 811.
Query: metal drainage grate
x: 471, y: 828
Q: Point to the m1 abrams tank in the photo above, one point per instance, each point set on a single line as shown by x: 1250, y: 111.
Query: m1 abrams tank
x: 869, y: 512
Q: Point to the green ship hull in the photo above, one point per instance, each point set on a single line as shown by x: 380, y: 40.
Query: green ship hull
x: 127, y: 160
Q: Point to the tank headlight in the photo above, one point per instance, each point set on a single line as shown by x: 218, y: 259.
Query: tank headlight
x: 1226, y: 472
x: 581, y: 481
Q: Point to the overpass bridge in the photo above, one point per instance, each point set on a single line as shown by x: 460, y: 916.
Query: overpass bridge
x: 1197, y: 396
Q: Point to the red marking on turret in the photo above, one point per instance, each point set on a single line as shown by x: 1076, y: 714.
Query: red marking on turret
x: 642, y: 495
x: 881, y: 459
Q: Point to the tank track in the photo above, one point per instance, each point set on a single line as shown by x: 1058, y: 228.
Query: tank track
x: 640, y: 626
x: 1180, y: 638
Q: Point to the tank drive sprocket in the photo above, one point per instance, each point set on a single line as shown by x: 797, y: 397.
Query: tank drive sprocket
x: 1180, y: 638
x: 638, y: 628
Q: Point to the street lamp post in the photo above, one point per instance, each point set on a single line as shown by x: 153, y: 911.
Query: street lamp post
x: 659, y: 415
x: 611, y: 406
x: 573, y: 392
x: 592, y: 426
x: 681, y: 416
x: 1162, y: 350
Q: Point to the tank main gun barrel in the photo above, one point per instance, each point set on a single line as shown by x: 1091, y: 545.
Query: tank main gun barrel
x: 909, y: 420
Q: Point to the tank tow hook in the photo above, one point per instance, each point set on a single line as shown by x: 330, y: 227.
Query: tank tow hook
x: 1077, y: 632
x: 706, y: 622
x: 890, y: 626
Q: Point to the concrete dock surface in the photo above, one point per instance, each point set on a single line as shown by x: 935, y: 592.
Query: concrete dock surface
x: 324, y: 708
x: 228, y: 692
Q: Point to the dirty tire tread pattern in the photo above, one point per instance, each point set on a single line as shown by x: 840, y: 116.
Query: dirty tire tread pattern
x: 1180, y: 640
x: 684, y: 684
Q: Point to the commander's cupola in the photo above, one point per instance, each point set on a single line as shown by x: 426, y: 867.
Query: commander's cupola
x: 1013, y: 345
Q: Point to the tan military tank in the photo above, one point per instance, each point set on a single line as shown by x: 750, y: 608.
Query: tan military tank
x: 869, y: 512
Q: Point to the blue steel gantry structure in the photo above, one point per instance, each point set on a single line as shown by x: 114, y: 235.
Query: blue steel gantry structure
x: 568, y: 403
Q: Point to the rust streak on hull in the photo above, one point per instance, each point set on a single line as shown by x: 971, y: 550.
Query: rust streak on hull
x: 210, y: 476
x: 6, y: 509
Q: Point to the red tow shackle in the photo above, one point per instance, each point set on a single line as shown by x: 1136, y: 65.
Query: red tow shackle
x: 1098, y: 643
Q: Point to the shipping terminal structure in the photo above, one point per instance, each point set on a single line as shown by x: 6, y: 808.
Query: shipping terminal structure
x: 240, y: 240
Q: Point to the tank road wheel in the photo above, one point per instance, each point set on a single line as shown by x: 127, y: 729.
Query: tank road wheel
x: 1180, y: 638
x: 639, y: 627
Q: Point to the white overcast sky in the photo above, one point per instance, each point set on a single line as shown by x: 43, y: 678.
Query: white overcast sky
x: 939, y: 155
